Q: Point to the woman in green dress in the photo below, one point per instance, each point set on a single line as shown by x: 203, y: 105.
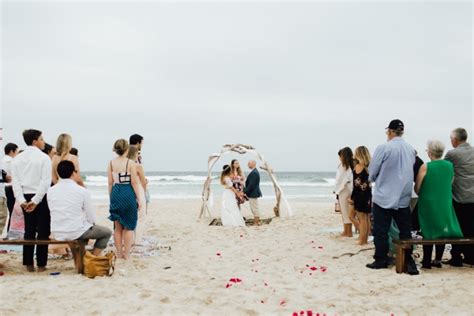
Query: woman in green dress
x: 435, y: 203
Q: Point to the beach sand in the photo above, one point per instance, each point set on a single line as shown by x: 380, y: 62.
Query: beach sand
x: 273, y: 263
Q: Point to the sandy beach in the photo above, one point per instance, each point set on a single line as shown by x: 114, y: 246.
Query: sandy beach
x: 285, y: 267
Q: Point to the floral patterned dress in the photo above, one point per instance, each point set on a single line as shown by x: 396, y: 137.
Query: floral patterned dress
x: 238, y: 183
x: 362, y: 192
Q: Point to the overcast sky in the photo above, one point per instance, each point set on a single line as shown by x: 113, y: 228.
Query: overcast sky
x: 296, y: 80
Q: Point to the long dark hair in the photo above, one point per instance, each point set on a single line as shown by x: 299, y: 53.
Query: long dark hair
x: 226, y: 171
x: 347, y: 157
x: 239, y: 170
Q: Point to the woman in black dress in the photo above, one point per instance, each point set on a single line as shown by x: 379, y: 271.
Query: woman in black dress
x: 362, y: 193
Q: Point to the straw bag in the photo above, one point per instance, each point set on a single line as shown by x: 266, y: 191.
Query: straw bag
x: 99, y: 265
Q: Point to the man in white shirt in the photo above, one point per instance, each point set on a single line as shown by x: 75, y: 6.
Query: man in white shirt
x: 31, y: 177
x: 11, y: 150
x: 72, y: 214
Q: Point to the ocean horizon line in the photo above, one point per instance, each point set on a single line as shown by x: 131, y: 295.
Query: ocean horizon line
x: 192, y: 171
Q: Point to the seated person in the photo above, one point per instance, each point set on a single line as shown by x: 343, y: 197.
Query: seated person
x: 72, y: 214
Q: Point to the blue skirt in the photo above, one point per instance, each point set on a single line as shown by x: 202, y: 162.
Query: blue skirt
x: 123, y: 206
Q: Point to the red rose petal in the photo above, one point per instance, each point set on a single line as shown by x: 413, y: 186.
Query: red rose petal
x: 283, y: 302
x: 313, y: 268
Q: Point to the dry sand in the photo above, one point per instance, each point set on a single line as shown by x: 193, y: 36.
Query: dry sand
x: 273, y: 262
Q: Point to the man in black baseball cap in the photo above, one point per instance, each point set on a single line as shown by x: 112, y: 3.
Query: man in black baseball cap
x: 391, y: 168
x: 396, y: 125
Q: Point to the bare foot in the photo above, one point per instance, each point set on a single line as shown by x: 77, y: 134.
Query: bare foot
x: 42, y: 269
x: 30, y: 268
x: 362, y: 243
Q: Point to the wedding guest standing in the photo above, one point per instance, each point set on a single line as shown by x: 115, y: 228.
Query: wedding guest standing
x: 11, y: 151
x: 133, y: 155
x: 124, y: 187
x: 137, y: 140
x: 435, y: 205
x: 462, y: 157
x: 63, y: 148
x: 72, y: 214
x: 238, y: 180
x: 343, y: 188
x: 49, y: 150
x: 391, y: 169
x: 415, y: 225
x: 3, y: 200
x: 31, y: 176
x: 362, y: 192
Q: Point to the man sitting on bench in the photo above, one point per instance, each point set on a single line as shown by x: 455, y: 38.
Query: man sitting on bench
x: 72, y: 214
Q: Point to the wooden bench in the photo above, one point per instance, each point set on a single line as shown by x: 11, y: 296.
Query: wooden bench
x: 77, y: 248
x: 404, y: 244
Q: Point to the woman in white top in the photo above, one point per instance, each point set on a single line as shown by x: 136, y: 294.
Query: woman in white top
x: 63, y: 147
x: 343, y: 189
x: 230, y: 212
x: 140, y: 229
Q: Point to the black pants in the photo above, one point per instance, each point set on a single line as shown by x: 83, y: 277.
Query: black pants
x: 465, y: 215
x: 382, y: 221
x: 428, y: 253
x: 10, y: 203
x: 37, y: 226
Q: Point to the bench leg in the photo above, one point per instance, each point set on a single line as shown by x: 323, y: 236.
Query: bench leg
x: 78, y: 251
x: 80, y: 263
x: 400, y: 259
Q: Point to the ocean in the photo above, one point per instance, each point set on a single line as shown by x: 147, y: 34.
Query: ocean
x: 189, y: 185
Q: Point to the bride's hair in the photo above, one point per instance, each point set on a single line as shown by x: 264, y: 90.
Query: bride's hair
x: 226, y: 170
x: 239, y: 170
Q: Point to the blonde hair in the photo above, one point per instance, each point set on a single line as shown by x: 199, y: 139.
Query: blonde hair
x: 120, y: 147
x: 436, y: 148
x: 132, y: 152
x: 63, y: 145
x: 362, y: 154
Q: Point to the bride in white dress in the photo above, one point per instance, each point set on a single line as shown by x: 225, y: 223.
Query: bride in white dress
x: 230, y: 213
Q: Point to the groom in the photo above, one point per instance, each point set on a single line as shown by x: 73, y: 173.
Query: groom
x: 252, y: 190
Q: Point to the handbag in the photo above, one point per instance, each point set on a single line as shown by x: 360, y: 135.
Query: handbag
x: 337, y: 206
x: 99, y: 265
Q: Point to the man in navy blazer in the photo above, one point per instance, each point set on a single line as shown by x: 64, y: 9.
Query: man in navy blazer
x: 252, y: 190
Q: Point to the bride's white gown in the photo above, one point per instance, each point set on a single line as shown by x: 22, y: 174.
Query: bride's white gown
x: 230, y: 213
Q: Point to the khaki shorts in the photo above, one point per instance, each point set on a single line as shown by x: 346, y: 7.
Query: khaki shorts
x: 3, y: 213
x: 254, y: 207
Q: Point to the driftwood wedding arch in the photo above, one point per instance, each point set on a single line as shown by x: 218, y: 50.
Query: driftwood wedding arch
x: 282, y: 207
